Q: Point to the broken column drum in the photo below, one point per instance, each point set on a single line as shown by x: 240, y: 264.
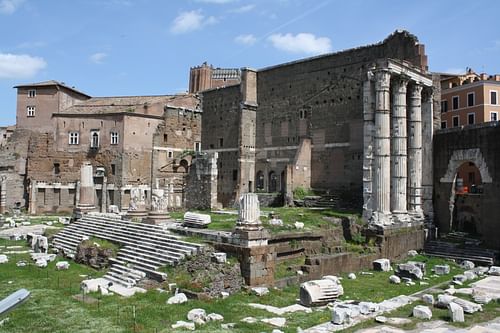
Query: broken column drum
x: 249, y: 212
x: 320, y: 292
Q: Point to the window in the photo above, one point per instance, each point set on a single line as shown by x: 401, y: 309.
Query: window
x: 455, y: 102
x: 302, y: 114
x: 30, y: 111
x: 170, y: 154
x: 444, y: 106
x: 493, y: 116
x: 471, y: 117
x: 32, y: 93
x: 114, y: 138
x: 470, y: 99
x: 235, y: 174
x: 165, y: 138
x: 94, y: 139
x: 57, y: 168
x: 456, y: 121
x: 113, y: 169
x: 74, y: 138
x: 197, y: 146
x: 443, y: 124
x: 493, y: 97
x: 221, y: 142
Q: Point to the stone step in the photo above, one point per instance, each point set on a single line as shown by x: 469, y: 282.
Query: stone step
x: 139, y: 261
x: 157, y: 254
x: 125, y: 271
x: 149, y: 272
x: 117, y: 280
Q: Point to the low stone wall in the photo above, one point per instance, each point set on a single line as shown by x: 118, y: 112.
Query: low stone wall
x: 270, y: 199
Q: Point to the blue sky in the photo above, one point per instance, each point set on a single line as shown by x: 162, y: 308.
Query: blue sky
x: 141, y: 47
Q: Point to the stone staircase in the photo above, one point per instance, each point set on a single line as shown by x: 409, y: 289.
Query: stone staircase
x: 144, y: 247
x: 459, y: 246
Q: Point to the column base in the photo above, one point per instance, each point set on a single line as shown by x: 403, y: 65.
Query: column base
x: 157, y: 218
x: 251, y: 238
x: 379, y: 218
x: 80, y: 210
x: 400, y: 217
x: 138, y: 215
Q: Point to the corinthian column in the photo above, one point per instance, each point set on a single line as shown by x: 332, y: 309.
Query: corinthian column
x: 368, y: 124
x: 398, y: 145
x: 382, y: 160
x: 415, y: 151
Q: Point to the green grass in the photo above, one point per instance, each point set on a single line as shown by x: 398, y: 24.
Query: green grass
x: 313, y: 220
x: 51, y: 307
x: 282, y: 267
x: 105, y: 244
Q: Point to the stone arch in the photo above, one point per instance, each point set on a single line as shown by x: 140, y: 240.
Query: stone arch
x: 461, y: 156
x: 260, y: 180
x: 273, y: 182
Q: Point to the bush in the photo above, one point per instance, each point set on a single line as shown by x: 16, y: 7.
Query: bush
x: 300, y: 193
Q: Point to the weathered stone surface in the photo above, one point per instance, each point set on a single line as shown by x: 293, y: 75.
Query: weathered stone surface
x: 277, y: 321
x: 398, y: 321
x: 320, y: 292
x: 460, y: 278
x: 90, y: 254
x: 41, y: 263
x: 456, y: 312
x: 260, y: 291
x: 410, y: 271
x: 422, y: 312
x: 351, y: 276
x: 443, y: 300
x: 466, y: 264
x: 412, y: 253
x: 368, y: 307
x: 470, y: 275
x: 3, y: 259
x: 383, y: 265
x: 184, y: 325
x: 481, y: 297
x: 62, y: 265
x: 177, y: 299
x: 442, y: 269
x: 214, y: 317
x: 276, y: 222
x: 468, y: 306
x: 340, y: 315
x: 428, y: 299
x: 219, y: 257
x: 299, y: 225
x: 249, y: 320
x: 197, y: 316
x: 197, y: 220
x: 394, y: 279
x: 381, y: 319
x: 494, y: 270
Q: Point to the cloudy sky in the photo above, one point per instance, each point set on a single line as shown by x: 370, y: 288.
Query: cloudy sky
x: 140, y: 47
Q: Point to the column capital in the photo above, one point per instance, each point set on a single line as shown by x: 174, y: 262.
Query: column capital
x: 416, y: 90
x: 400, y: 83
x: 428, y: 94
x: 382, y: 79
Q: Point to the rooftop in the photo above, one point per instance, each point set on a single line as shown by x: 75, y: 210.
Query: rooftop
x: 51, y: 83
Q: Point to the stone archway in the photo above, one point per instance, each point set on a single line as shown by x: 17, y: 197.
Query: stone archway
x: 459, y: 211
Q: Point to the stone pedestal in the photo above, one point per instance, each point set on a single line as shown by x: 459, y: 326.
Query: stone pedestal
x: 249, y: 213
x: 159, y: 208
x: 137, y: 205
x: 86, y: 201
x: 252, y: 238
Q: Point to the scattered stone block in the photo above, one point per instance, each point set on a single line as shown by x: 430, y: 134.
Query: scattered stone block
x: 419, y: 264
x: 198, y: 316
x: 299, y: 273
x: 184, y: 325
x: 428, y: 299
x: 260, y: 291
x: 470, y: 275
x: 277, y: 331
x: 340, y: 315
x: 467, y: 264
x: 172, y: 286
x: 299, y: 225
x: 249, y: 320
x: 382, y: 265
x: 443, y: 300
x: 320, y: 292
x: 219, y: 257
x: 460, y: 278
x: 197, y: 220
x: 398, y: 321
x: 214, y: 317
x: 451, y: 290
x: 3, y: 259
x: 62, y: 265
x: 409, y: 270
x: 351, y: 276
x: 468, y: 306
x: 494, y: 270
x: 380, y: 319
x: 481, y: 270
x: 227, y: 326
x: 368, y: 307
x: 394, y: 279
x: 456, y: 313
x: 276, y: 222
x: 277, y: 321
x: 422, y: 283
x: 224, y: 294
x: 441, y: 269
x: 21, y: 263
x: 412, y: 253
x: 422, y: 312
x: 41, y: 263
x: 177, y: 299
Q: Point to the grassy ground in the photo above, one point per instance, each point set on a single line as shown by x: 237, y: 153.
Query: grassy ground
x: 52, y: 308
x: 312, y: 219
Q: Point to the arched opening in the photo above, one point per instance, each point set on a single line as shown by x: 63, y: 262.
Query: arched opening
x: 183, y: 166
x: 465, y: 203
x: 259, y: 181
x: 283, y: 181
x: 273, y: 182
x: 95, y: 140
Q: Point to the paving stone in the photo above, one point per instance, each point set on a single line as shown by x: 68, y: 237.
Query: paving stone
x: 456, y: 312
x: 422, y: 312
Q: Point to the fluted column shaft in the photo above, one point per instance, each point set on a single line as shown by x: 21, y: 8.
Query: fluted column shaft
x: 368, y: 124
x: 398, y: 148
x: 415, y: 150
x: 382, y: 160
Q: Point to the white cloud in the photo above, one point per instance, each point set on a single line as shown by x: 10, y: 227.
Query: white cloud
x: 20, y: 66
x: 455, y: 71
x: 98, y: 57
x: 190, y: 21
x: 301, y: 43
x: 9, y: 6
x: 245, y: 39
x: 217, y: 2
x: 243, y: 9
